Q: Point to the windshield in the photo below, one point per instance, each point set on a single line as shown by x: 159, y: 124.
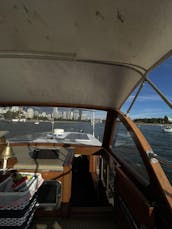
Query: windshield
x: 152, y: 115
x: 53, y: 124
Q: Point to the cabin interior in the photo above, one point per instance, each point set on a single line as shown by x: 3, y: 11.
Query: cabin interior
x: 91, y: 55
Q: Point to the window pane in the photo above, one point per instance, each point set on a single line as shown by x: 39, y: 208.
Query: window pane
x: 161, y: 76
x: 125, y: 148
x: 53, y: 124
x: 153, y: 115
x: 161, y: 144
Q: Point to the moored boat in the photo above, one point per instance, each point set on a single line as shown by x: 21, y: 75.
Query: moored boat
x: 167, y: 129
x: 36, y: 122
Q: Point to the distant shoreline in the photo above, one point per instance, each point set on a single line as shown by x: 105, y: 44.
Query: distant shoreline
x: 41, y: 121
x: 151, y: 124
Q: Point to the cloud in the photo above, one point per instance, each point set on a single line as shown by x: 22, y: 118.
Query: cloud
x: 145, y: 98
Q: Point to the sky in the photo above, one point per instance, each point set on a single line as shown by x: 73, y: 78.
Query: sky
x: 149, y: 104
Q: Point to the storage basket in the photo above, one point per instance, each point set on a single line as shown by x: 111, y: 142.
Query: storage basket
x: 17, y: 208
x: 16, y: 200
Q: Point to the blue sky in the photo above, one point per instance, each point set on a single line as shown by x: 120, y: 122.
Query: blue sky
x: 149, y: 104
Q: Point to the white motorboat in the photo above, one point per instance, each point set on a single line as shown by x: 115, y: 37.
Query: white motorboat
x: 36, y: 123
x: 60, y: 136
x: 168, y: 129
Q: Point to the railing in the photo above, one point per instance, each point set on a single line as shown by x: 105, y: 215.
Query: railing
x: 120, y: 188
x: 115, y: 174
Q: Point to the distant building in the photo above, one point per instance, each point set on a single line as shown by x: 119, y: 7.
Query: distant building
x: 55, y: 112
x: 71, y: 115
x: 76, y: 114
x: 84, y: 116
x: 14, y: 109
x: 30, y: 113
x: 64, y: 115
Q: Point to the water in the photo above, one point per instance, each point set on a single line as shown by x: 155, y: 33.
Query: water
x: 28, y: 130
x: 160, y: 141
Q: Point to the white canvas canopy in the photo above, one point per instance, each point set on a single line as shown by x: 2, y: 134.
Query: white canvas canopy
x: 90, y: 52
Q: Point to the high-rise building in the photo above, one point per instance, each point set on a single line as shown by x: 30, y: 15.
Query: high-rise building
x: 55, y: 112
x: 30, y: 113
x: 14, y: 108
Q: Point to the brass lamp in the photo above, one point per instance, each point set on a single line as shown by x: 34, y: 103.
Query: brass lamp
x: 5, y: 155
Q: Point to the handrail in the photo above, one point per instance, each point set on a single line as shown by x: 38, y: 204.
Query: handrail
x: 158, y: 179
x: 128, y: 169
x: 163, y: 161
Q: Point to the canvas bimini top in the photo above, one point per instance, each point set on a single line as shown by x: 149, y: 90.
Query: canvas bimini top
x: 91, y: 53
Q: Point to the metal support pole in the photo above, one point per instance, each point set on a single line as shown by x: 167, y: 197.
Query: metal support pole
x: 138, y: 92
x: 159, y: 93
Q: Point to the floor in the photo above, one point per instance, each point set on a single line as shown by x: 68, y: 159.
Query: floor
x: 88, y: 209
x: 83, y: 189
x: 75, y: 223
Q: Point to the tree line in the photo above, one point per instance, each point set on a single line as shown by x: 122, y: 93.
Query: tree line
x: 153, y: 120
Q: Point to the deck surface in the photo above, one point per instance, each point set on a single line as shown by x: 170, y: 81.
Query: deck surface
x: 76, y: 223
x: 89, y: 208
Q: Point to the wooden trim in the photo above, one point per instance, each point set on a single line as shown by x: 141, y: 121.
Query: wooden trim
x: 158, y: 179
x: 138, y: 205
x: 68, y: 159
x: 109, y: 128
x: 87, y: 150
x: 132, y: 174
x: 93, y: 161
x: 78, y: 149
x: 112, y: 156
x: 67, y: 184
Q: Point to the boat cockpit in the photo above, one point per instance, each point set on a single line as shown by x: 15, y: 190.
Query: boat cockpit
x: 76, y: 55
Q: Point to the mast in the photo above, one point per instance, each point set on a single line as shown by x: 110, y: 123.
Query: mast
x: 52, y: 126
x: 93, y: 122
